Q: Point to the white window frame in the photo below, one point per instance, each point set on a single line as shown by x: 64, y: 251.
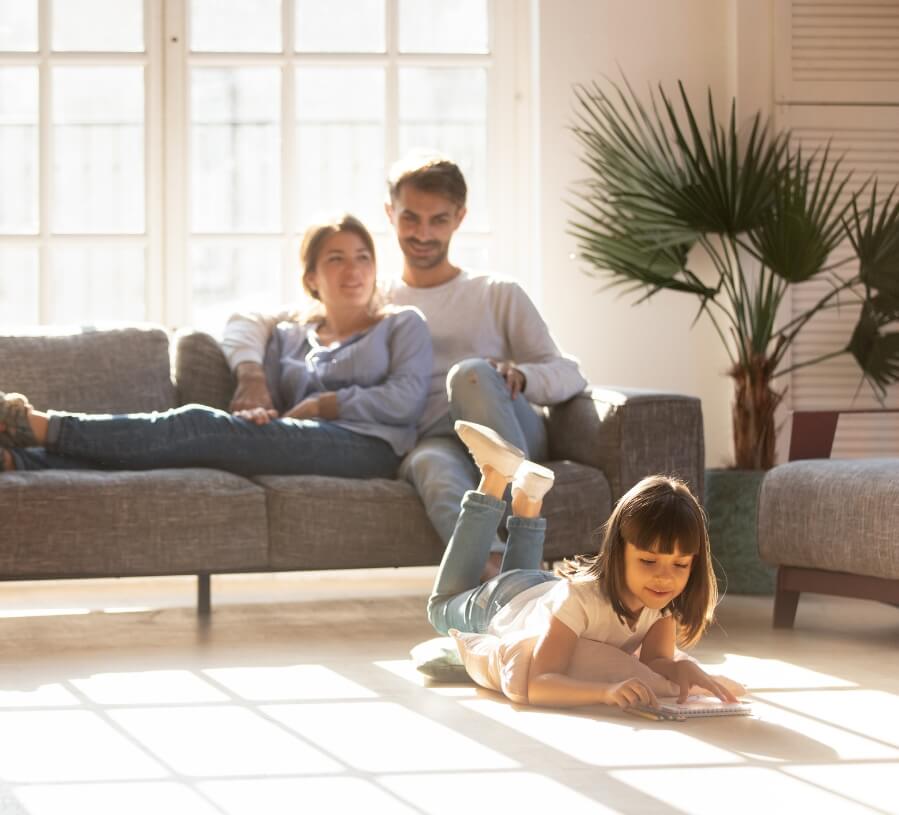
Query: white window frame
x: 508, y: 141
x: 150, y: 240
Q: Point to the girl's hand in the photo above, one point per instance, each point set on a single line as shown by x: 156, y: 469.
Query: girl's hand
x: 630, y: 692
x: 685, y: 673
x: 256, y: 415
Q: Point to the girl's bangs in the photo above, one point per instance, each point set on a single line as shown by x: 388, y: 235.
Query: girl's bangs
x: 666, y: 529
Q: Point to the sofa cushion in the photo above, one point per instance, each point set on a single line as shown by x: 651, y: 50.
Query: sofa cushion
x: 122, y: 370
x: 74, y: 523
x: 835, y: 515
x: 318, y: 522
x: 202, y: 375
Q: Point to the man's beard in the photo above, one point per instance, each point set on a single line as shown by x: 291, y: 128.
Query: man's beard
x: 428, y: 262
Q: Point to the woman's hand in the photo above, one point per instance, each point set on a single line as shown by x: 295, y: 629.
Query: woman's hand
x: 256, y: 415
x: 307, y: 409
x: 686, y: 673
x: 630, y: 692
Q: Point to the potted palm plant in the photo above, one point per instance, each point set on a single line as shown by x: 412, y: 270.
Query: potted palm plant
x: 768, y: 216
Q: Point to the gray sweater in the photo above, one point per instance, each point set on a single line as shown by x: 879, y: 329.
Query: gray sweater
x: 380, y: 376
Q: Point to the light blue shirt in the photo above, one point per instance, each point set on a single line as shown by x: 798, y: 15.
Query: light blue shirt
x: 380, y: 375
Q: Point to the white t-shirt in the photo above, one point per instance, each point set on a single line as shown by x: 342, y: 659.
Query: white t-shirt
x: 470, y: 316
x: 581, y: 606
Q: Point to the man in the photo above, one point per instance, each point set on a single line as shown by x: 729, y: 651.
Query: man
x: 493, y: 354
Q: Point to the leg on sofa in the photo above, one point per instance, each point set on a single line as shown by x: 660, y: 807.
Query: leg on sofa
x: 785, y: 602
x: 204, y: 595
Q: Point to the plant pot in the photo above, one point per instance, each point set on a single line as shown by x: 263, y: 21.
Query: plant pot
x: 731, y: 502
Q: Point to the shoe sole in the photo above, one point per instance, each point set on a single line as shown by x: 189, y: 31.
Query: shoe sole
x: 489, y: 448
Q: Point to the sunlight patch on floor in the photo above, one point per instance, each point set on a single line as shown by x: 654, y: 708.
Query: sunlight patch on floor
x: 383, y: 737
x: 221, y: 741
x: 289, y: 796
x: 870, y: 712
x: 873, y: 784
x: 288, y: 682
x: 737, y: 791
x: 492, y: 792
x: 69, y: 745
x: 53, y: 694
x: 148, y: 688
x: 606, y: 742
x: 753, y: 672
x: 114, y: 799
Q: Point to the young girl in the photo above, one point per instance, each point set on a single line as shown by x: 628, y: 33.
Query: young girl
x: 651, y: 584
x: 349, y: 385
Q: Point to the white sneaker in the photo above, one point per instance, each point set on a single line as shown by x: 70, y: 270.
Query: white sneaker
x: 534, y: 480
x: 490, y: 449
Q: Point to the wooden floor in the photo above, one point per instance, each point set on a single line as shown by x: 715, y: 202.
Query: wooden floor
x: 298, y: 696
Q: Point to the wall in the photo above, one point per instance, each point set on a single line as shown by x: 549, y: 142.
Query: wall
x: 651, y: 345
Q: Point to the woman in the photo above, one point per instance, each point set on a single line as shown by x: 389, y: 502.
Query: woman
x: 349, y: 384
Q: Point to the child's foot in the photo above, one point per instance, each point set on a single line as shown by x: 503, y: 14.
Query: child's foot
x: 530, y: 484
x: 489, y: 449
x: 15, y: 427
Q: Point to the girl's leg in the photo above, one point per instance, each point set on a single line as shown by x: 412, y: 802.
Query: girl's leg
x: 199, y: 436
x: 449, y: 605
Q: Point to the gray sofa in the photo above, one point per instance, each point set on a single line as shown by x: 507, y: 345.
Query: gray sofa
x: 90, y: 523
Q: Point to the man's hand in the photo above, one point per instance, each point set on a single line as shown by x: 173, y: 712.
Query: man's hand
x: 515, y: 380
x: 307, y: 409
x: 252, y: 391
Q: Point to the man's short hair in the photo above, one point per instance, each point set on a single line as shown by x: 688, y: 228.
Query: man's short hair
x: 428, y: 172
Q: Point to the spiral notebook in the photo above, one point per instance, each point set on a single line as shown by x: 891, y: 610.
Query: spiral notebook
x: 695, y: 707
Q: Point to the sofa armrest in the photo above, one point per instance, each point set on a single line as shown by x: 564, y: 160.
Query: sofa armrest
x: 629, y: 434
x: 202, y: 375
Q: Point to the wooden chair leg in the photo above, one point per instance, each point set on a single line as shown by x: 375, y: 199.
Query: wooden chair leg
x: 785, y: 603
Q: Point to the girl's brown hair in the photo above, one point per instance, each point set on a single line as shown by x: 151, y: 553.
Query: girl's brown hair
x: 311, y: 247
x: 659, y: 514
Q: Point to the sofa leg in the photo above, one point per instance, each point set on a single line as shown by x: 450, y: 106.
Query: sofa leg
x: 204, y: 596
x: 785, y: 603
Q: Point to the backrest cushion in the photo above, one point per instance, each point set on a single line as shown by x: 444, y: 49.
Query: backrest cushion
x: 122, y: 370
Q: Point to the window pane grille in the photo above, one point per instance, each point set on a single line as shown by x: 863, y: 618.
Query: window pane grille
x: 446, y: 109
x: 443, y: 26
x: 236, y: 150
x: 229, y: 277
x: 340, y: 142
x: 18, y: 150
x: 98, y: 25
x: 18, y: 286
x: 340, y: 26
x: 18, y: 25
x: 235, y: 25
x: 96, y: 284
x: 98, y: 138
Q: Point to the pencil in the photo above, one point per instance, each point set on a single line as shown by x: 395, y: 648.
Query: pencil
x: 646, y: 714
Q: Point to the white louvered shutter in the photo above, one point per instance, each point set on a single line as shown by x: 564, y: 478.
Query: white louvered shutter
x: 837, y: 80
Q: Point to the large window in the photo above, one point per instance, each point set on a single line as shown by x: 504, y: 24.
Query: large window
x: 160, y: 158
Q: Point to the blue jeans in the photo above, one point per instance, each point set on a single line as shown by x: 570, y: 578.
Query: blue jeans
x: 440, y: 467
x: 199, y: 436
x: 457, y: 601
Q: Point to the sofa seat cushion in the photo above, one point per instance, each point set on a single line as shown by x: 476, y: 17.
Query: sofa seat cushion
x: 123, y: 370
x: 318, y: 522
x: 840, y: 516
x: 321, y: 522
x: 80, y: 523
x: 575, y: 510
